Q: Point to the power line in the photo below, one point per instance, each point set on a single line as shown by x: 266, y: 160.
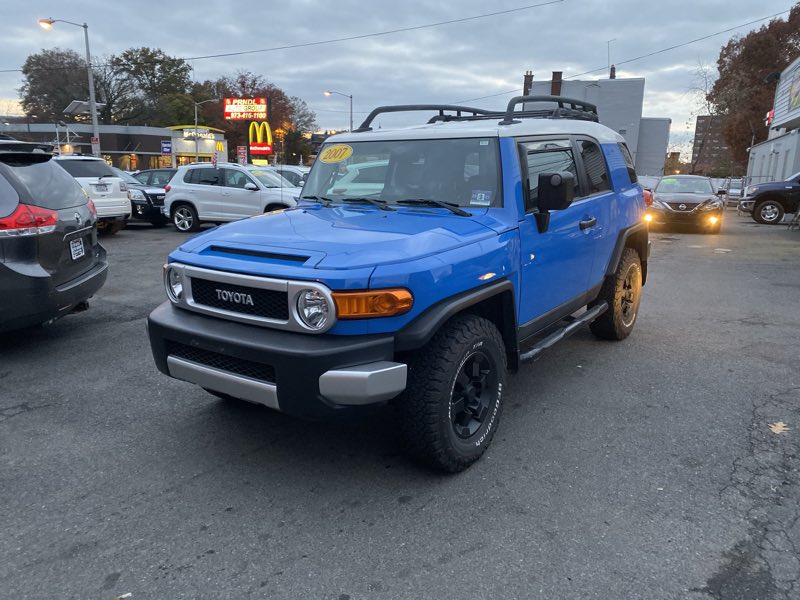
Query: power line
x: 630, y: 60
x: 343, y: 39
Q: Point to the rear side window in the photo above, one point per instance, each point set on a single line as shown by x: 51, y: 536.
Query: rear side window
x: 594, y: 165
x: 41, y: 184
x: 9, y: 198
x: 86, y: 168
x: 203, y: 177
x: 628, y: 162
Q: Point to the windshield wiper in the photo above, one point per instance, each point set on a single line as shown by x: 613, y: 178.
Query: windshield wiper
x: 321, y: 199
x: 378, y: 203
x: 431, y: 202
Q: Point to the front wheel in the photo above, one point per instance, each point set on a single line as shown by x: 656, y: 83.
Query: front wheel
x: 622, y: 293
x: 184, y: 217
x: 768, y: 212
x: 452, y: 405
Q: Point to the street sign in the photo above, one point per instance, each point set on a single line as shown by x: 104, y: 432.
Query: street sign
x: 96, y: 146
x: 166, y: 146
x: 241, y: 155
x: 245, y: 109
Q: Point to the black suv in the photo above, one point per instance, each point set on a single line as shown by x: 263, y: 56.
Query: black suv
x: 50, y: 260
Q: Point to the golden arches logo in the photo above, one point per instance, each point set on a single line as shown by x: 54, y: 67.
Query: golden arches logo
x: 220, y: 146
x: 259, y: 133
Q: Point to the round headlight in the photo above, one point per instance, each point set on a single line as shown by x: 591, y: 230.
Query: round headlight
x: 313, y: 309
x: 174, y: 284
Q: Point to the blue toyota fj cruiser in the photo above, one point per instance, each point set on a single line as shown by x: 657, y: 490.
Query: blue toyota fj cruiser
x: 464, y: 247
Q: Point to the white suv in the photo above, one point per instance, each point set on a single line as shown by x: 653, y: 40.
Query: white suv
x: 297, y: 174
x: 228, y: 192
x: 108, y: 192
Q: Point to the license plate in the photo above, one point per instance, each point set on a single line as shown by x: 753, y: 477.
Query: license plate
x: 101, y: 187
x: 76, y: 248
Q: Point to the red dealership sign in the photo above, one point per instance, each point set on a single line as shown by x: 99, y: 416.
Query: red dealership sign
x: 245, y: 109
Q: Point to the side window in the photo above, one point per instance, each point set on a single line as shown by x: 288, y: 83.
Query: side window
x: 626, y: 154
x: 207, y: 177
x: 293, y: 177
x: 547, y: 157
x: 235, y: 179
x: 594, y: 166
x: 190, y: 176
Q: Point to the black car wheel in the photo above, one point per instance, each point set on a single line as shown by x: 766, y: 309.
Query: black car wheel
x: 451, y: 407
x: 622, y: 293
x: 768, y: 212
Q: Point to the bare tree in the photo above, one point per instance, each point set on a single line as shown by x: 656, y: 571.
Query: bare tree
x: 703, y: 79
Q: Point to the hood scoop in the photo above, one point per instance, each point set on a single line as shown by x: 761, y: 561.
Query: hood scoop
x: 259, y: 255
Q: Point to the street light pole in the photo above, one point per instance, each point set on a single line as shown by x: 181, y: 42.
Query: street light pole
x: 48, y: 24
x: 329, y: 92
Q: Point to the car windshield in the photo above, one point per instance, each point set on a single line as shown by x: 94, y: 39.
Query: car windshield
x: 685, y: 185
x: 461, y: 171
x: 270, y: 179
x: 126, y: 177
x: 794, y: 177
x: 79, y: 167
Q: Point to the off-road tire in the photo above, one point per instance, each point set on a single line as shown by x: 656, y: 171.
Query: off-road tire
x: 436, y: 387
x: 184, y: 217
x: 622, y: 293
x: 774, y: 216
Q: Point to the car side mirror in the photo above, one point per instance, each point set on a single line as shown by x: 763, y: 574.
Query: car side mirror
x: 721, y: 192
x: 556, y: 190
x: 301, y: 183
x: 251, y: 186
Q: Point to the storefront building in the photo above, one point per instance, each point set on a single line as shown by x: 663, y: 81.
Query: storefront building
x: 128, y: 147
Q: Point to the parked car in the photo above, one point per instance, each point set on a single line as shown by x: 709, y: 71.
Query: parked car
x: 360, y: 178
x: 106, y: 189
x: 146, y: 200
x: 731, y: 190
x: 201, y: 193
x: 50, y: 260
x: 295, y: 174
x: 687, y: 200
x: 155, y: 177
x: 768, y: 202
x: 489, y: 237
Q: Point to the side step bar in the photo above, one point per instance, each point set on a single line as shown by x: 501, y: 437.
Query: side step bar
x: 559, y: 334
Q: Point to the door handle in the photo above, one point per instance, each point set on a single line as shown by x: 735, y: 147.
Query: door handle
x: 590, y: 222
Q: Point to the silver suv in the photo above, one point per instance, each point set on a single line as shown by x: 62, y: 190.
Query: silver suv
x: 201, y: 193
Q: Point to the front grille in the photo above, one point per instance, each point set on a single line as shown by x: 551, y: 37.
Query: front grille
x: 270, y: 304
x: 677, y: 206
x: 223, y: 362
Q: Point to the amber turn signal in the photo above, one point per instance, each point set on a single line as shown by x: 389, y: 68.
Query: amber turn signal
x: 372, y: 303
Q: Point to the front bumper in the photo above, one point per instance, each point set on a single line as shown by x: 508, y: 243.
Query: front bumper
x: 697, y: 218
x: 746, y: 205
x: 310, y: 376
x: 147, y: 212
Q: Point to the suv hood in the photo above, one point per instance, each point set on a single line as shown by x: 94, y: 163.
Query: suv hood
x: 346, y: 237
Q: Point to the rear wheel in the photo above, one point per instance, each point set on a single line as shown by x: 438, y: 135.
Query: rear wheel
x: 622, y: 293
x: 111, y: 227
x: 768, y: 212
x: 452, y: 405
x: 184, y: 217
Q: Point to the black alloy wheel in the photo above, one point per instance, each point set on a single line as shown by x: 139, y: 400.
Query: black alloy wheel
x: 474, y: 391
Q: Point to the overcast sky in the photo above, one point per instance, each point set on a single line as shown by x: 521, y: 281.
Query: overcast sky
x: 447, y: 63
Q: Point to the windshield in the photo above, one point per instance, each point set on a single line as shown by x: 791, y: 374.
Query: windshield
x: 126, y: 177
x: 794, y: 177
x: 685, y: 185
x: 270, y: 179
x: 459, y: 171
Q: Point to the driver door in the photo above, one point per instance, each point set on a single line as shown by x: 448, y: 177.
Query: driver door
x: 238, y: 202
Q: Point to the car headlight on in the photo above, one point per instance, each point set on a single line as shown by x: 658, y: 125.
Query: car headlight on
x: 657, y: 205
x: 749, y: 190
x: 714, y: 204
x: 136, y: 195
x: 173, y: 282
x: 313, y: 309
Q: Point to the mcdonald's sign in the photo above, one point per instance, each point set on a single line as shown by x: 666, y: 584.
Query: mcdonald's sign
x: 260, y: 138
x: 220, y: 147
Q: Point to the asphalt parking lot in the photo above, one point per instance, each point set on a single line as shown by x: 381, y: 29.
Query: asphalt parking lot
x: 651, y: 468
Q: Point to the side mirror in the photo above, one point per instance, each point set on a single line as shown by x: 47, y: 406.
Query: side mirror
x: 721, y: 192
x: 301, y: 183
x: 251, y: 186
x: 556, y: 190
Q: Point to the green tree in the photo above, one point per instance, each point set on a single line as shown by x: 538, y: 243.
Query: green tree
x: 741, y: 93
x: 52, y: 79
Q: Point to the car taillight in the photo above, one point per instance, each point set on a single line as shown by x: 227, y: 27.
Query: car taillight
x: 648, y: 197
x: 28, y: 220
x: 168, y: 188
x: 92, y: 208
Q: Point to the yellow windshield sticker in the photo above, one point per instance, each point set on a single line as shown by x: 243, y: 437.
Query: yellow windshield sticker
x: 336, y: 153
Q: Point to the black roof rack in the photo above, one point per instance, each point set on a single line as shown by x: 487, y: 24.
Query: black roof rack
x: 476, y: 112
x: 567, y: 108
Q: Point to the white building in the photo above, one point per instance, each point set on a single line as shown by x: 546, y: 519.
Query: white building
x: 619, y: 106
x: 779, y: 156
